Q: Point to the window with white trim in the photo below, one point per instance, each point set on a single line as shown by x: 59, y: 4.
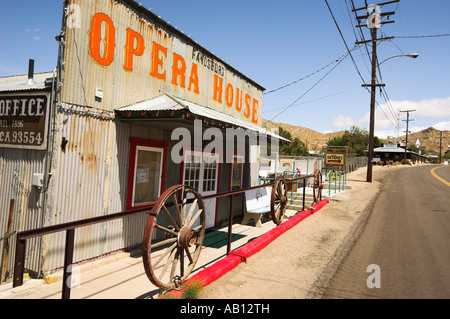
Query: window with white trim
x: 146, y: 174
x: 192, y: 170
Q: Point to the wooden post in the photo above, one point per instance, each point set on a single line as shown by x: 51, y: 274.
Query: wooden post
x: 304, y: 189
x: 68, y: 259
x: 19, y: 263
x: 230, y: 224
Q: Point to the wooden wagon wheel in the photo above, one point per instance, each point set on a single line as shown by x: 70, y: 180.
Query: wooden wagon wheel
x: 317, y: 186
x: 278, y: 200
x: 173, y: 236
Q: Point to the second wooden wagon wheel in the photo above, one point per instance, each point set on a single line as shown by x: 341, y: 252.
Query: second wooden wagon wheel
x: 317, y: 187
x: 278, y: 200
x: 173, y: 236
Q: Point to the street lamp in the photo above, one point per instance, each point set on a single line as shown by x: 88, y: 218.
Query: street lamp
x: 408, y: 55
x: 373, y: 85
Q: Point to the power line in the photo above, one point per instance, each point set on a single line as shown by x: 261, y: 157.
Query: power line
x: 384, y: 94
x: 423, y: 36
x: 320, y: 80
x: 362, y: 37
x: 397, y: 125
x: 305, y: 77
x: 340, y: 32
x: 396, y: 122
x: 373, y: 23
x: 391, y: 108
x: 388, y: 103
x: 314, y: 100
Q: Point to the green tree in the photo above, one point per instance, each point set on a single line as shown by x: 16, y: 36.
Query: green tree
x: 356, y: 139
x: 295, y: 148
x: 413, y: 148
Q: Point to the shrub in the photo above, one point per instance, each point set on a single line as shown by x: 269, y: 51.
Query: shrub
x: 406, y: 162
x: 192, y: 290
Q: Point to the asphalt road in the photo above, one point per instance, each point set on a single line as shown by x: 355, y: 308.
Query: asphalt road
x: 404, y: 249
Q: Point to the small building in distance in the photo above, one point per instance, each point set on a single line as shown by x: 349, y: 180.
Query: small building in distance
x: 394, y: 152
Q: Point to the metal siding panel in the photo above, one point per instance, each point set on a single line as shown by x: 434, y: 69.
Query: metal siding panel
x: 79, y: 183
x: 91, y: 179
x: 16, y: 170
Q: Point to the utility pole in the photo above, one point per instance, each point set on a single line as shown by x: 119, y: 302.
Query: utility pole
x: 373, y: 23
x: 440, y: 148
x: 373, y: 86
x: 407, y: 126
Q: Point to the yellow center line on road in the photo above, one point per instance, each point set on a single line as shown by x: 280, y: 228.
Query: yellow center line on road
x: 438, y: 177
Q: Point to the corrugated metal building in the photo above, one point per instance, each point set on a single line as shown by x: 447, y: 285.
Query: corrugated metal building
x: 126, y: 79
x: 19, y: 162
x: 394, y: 153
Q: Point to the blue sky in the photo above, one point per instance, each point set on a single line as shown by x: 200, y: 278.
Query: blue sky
x: 279, y: 42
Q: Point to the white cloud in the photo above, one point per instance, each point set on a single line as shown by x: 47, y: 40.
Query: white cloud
x: 34, y: 30
x: 389, y: 120
x: 436, y: 108
x: 442, y: 126
x: 384, y: 133
x: 383, y: 119
x: 343, y: 121
x: 387, y: 133
x: 388, y: 115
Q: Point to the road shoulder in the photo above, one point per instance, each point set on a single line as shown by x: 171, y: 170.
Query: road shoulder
x: 299, y: 263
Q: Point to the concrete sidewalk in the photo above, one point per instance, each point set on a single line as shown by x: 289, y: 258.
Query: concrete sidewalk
x: 122, y: 276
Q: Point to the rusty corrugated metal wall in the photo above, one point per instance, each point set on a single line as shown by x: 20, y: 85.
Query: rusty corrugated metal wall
x: 16, y: 170
x: 90, y: 178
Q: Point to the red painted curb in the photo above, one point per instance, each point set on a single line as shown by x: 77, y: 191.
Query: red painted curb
x: 211, y: 273
x: 221, y: 267
x: 261, y: 242
x: 217, y: 270
x: 296, y: 219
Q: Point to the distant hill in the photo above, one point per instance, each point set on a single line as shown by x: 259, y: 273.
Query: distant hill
x: 313, y: 139
x: 429, y: 138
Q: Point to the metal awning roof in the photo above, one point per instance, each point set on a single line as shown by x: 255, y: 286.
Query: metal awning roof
x: 169, y: 103
x: 390, y: 150
x: 394, y: 150
x: 20, y: 83
x: 160, y: 103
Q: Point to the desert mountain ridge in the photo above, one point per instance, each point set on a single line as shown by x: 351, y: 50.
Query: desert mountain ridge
x: 429, y: 138
x: 314, y: 140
